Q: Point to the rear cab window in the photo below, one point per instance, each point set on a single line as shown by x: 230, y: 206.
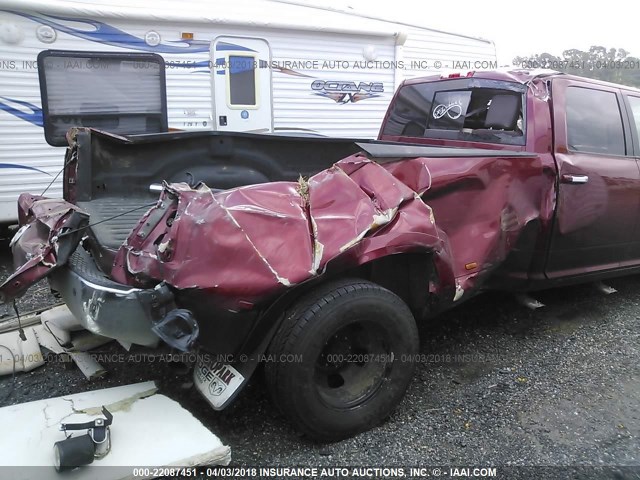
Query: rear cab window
x: 467, y: 109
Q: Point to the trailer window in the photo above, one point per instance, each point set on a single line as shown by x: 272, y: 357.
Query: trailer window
x: 242, y: 81
x: 465, y: 109
x: 123, y: 93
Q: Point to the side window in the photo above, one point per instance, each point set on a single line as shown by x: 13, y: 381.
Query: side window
x: 634, y: 102
x: 594, y: 122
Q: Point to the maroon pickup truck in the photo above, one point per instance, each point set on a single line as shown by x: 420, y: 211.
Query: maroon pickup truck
x: 315, y: 256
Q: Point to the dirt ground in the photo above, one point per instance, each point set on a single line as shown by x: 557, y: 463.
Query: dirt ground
x: 498, y: 385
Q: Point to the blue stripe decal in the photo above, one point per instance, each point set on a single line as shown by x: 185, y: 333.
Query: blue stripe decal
x: 107, y: 35
x: 241, y: 64
x: 202, y: 64
x: 34, y: 116
x: 231, y: 46
x: 22, y: 167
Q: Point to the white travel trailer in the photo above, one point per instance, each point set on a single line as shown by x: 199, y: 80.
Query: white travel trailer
x: 242, y: 65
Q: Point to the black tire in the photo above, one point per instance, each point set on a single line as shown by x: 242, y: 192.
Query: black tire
x: 330, y: 392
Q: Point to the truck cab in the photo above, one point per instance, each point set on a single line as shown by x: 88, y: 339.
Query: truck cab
x: 586, y: 134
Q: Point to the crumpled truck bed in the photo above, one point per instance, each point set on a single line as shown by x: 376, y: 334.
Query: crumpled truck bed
x: 245, y: 244
x: 242, y: 247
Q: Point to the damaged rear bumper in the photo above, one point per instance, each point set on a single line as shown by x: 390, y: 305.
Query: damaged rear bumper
x: 108, y: 308
x: 49, y: 244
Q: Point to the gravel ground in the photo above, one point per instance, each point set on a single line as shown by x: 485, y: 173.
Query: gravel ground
x: 499, y: 385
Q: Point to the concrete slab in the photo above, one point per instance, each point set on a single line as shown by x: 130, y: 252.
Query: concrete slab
x: 25, y: 354
x: 149, y: 429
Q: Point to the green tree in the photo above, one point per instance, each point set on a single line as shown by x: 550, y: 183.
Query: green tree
x: 607, y: 64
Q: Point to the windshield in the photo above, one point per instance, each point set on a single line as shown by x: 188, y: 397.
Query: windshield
x: 461, y: 109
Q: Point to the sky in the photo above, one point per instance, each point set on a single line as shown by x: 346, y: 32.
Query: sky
x: 519, y: 28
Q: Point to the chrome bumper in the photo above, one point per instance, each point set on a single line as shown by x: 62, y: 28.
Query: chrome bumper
x: 108, y: 308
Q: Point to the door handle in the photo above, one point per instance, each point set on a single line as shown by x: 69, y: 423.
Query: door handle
x: 576, y: 179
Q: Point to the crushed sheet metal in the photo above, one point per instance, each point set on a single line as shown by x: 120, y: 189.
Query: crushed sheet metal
x: 484, y: 205
x: 247, y: 243
x: 40, y: 244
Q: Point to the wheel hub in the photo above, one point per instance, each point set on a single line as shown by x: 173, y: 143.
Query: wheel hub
x: 352, y: 365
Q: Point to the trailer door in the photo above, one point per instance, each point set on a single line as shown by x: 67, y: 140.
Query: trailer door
x: 242, y: 84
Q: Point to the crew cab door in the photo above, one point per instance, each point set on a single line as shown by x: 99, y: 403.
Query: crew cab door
x: 241, y: 84
x: 632, y: 102
x: 599, y: 181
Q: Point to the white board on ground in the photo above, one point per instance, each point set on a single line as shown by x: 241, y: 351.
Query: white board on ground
x: 23, y: 355
x: 149, y: 430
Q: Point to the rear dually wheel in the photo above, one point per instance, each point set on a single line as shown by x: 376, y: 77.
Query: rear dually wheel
x: 347, y: 346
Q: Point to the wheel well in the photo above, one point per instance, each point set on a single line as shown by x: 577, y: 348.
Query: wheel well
x: 408, y: 275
